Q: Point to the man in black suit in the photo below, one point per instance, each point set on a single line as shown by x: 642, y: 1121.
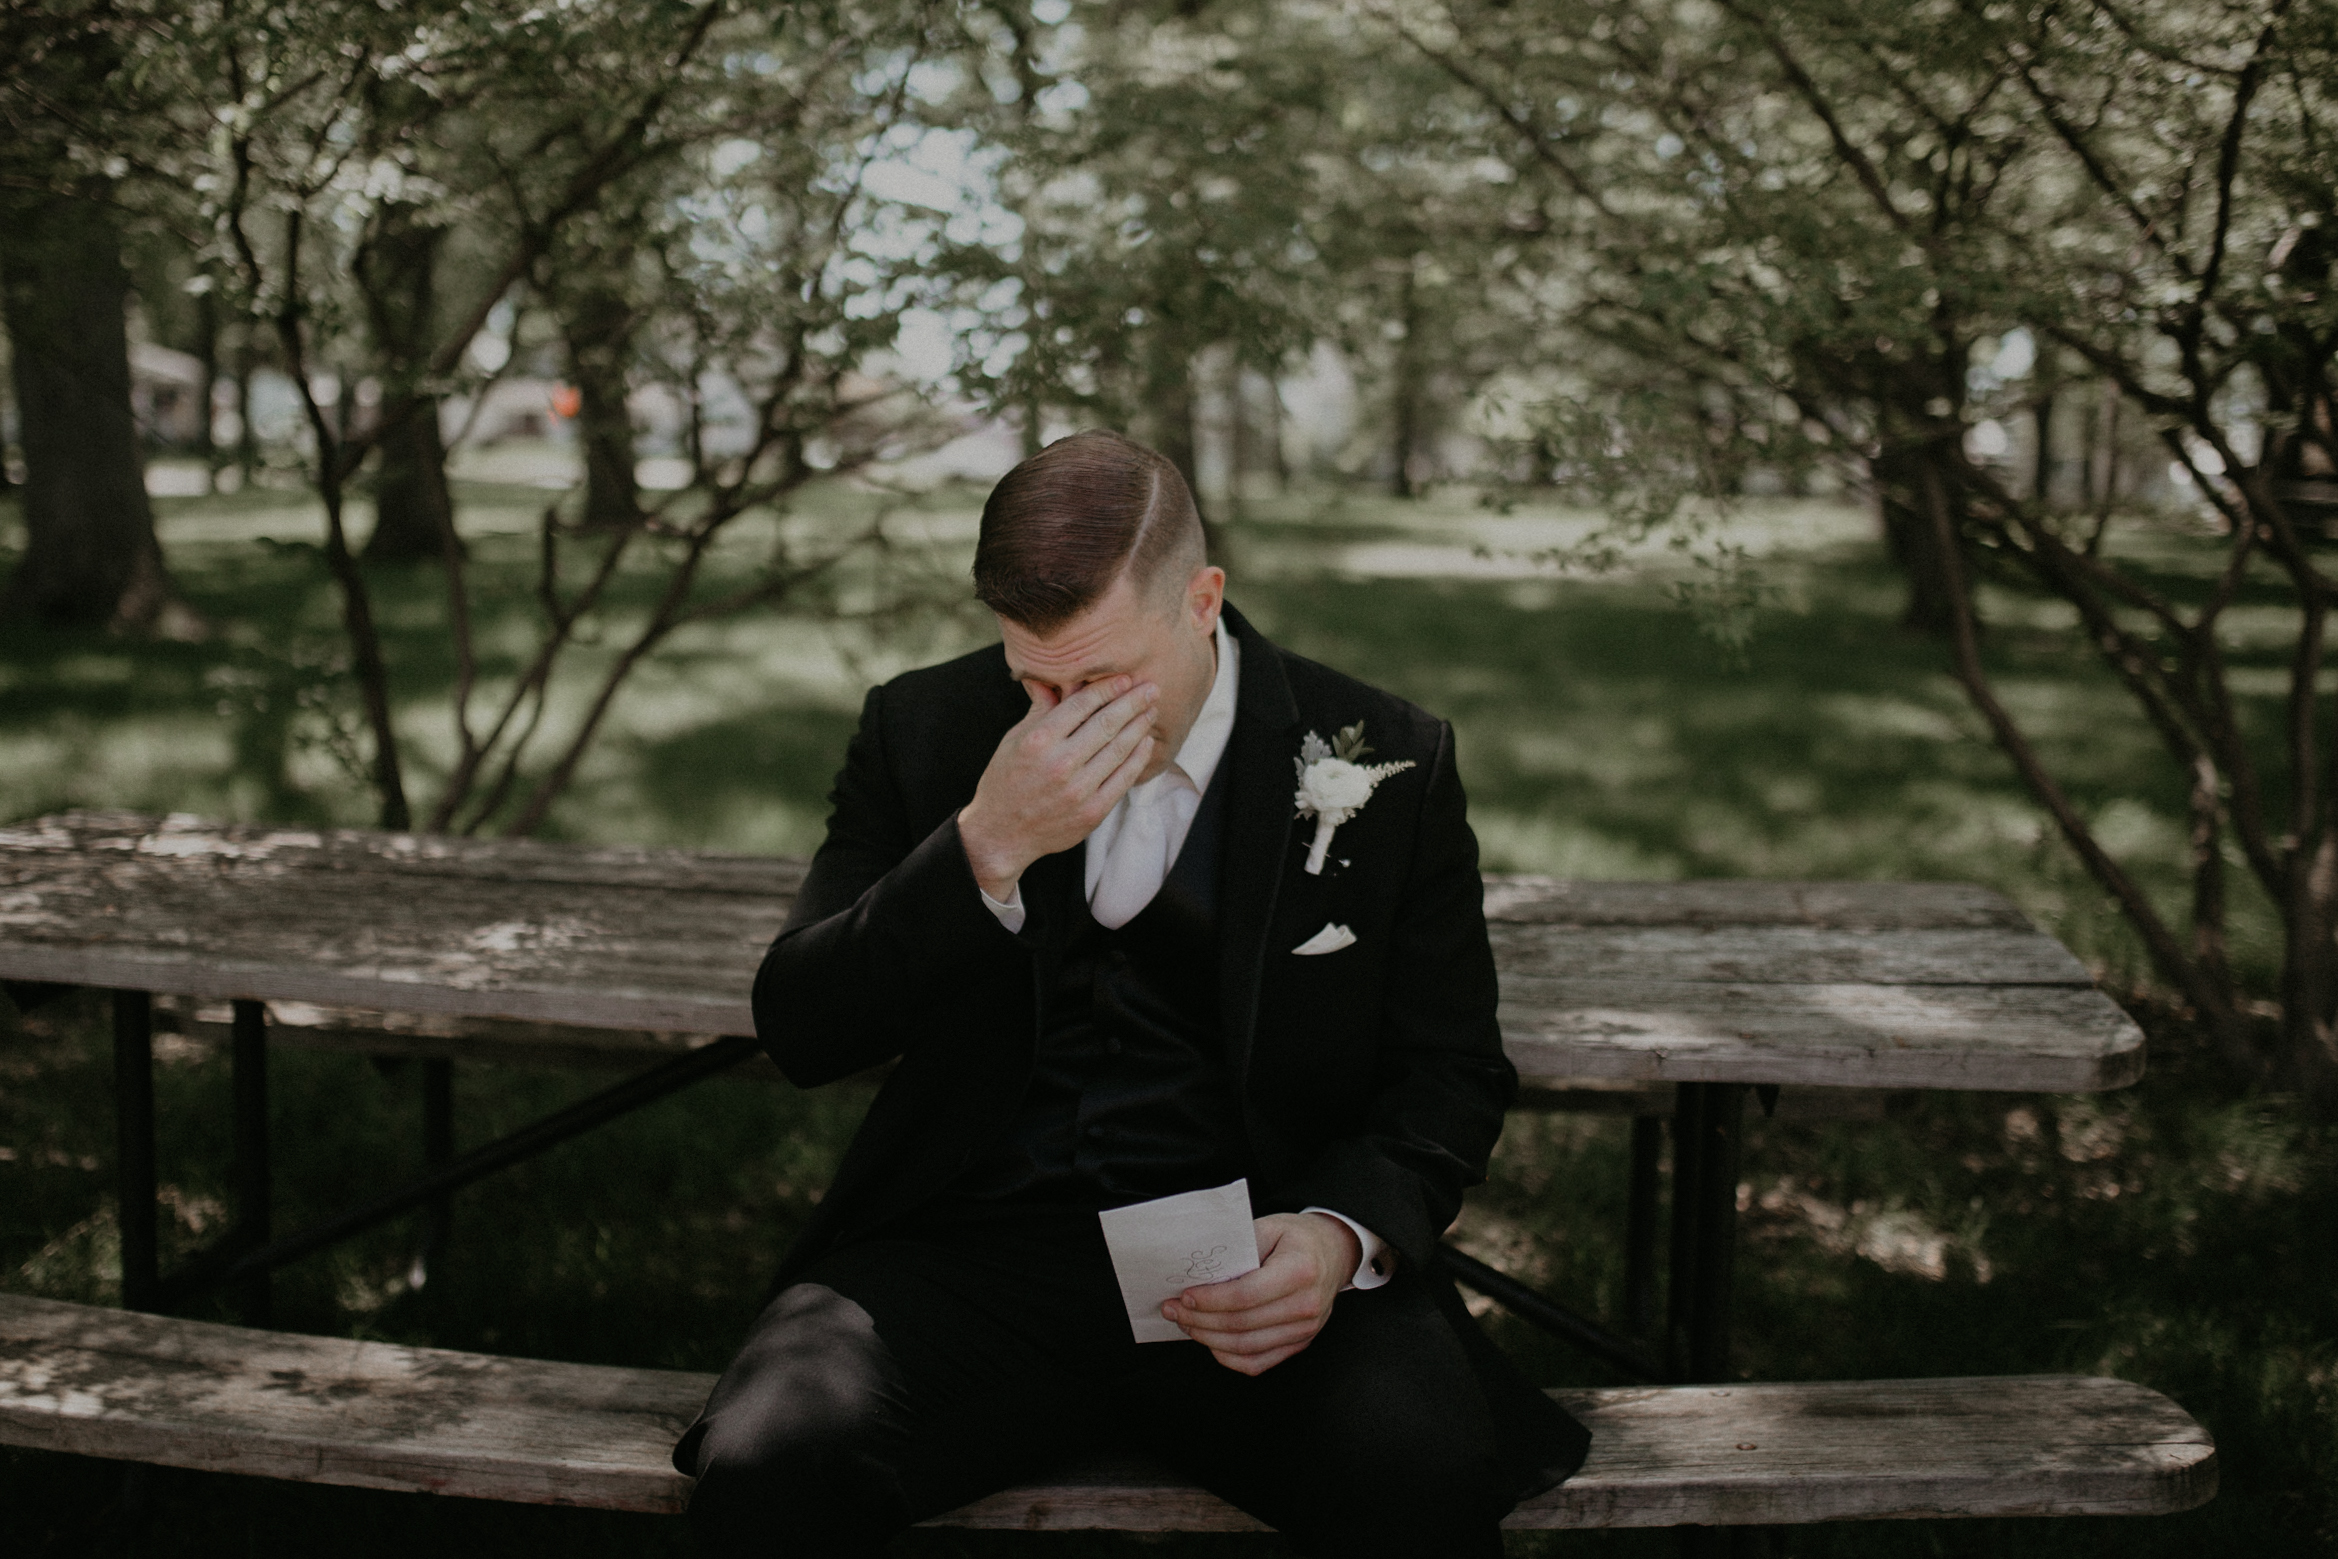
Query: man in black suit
x: 1066, y: 896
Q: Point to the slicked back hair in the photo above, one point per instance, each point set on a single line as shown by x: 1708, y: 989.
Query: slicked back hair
x: 1060, y: 528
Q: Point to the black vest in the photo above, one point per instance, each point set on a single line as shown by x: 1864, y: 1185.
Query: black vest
x: 1129, y: 1096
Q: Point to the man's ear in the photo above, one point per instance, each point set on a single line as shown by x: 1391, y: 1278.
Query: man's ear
x: 1205, y: 597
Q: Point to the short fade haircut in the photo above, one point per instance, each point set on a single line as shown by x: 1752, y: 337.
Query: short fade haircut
x: 1063, y: 525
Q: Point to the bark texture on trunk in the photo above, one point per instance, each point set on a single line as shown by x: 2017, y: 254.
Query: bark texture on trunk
x: 1169, y: 408
x: 1410, y: 394
x: 91, y: 558
x: 414, y: 512
x: 1169, y: 402
x: 1934, y: 580
x: 599, y: 328
x: 207, y: 397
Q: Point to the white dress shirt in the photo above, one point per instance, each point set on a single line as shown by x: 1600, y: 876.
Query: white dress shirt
x: 1152, y: 821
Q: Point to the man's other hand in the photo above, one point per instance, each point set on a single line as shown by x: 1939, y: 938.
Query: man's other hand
x: 1254, y: 1322
x: 1064, y: 765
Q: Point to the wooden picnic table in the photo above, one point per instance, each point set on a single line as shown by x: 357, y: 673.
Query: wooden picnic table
x: 1714, y: 986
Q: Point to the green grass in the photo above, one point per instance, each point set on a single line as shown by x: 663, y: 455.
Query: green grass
x: 2178, y: 1233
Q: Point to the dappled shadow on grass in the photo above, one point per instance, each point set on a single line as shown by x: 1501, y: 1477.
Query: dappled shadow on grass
x: 1602, y: 703
x: 1600, y: 736
x: 2175, y: 1233
x: 748, y: 782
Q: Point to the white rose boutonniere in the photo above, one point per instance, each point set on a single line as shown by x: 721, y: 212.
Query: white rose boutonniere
x: 1333, y: 786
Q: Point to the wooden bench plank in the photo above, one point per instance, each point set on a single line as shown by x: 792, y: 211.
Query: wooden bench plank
x: 438, y: 1035
x: 2049, y: 1039
x: 1845, y: 906
x: 359, y: 851
x: 192, y: 1394
x: 1788, y: 955
x: 1838, y: 984
x: 1523, y: 897
x: 135, y: 1387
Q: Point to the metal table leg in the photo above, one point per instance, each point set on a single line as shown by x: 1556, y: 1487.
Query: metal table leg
x: 253, y: 1185
x: 134, y: 1148
x: 1688, y: 1141
x: 438, y: 1151
x: 1640, y: 1225
x: 1708, y: 1149
x: 1716, y: 1236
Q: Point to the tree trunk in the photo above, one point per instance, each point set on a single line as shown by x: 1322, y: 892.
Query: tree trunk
x: 1032, y: 426
x: 1908, y: 532
x: 1411, y: 371
x: 7, y: 482
x: 1239, y: 437
x: 247, y: 436
x: 207, y: 351
x: 600, y: 343
x: 91, y: 558
x: 1274, y: 430
x: 413, y: 510
x: 1169, y: 397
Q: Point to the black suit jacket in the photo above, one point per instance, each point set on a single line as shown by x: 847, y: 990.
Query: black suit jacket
x: 1372, y: 1080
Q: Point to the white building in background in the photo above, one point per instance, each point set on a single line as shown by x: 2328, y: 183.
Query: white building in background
x: 518, y: 407
x: 1318, y: 424
x: 166, y: 394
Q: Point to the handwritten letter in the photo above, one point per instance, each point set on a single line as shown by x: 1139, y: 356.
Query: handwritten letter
x: 1162, y: 1248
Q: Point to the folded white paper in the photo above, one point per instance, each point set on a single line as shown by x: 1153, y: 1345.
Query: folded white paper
x: 1162, y: 1248
x: 1329, y: 940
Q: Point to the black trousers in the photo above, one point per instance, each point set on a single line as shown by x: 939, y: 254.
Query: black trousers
x: 986, y: 1344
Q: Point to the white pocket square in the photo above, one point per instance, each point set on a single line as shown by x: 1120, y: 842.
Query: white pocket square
x: 1329, y: 940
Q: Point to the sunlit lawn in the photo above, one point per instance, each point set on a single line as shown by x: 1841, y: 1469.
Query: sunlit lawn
x: 2176, y: 1233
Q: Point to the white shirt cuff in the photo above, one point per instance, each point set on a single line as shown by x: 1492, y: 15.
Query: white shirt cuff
x: 1379, y: 1262
x: 1010, y: 913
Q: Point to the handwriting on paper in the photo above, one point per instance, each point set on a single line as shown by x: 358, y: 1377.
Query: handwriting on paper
x: 1162, y: 1248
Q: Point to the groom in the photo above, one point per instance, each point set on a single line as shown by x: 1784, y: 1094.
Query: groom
x: 1065, y: 895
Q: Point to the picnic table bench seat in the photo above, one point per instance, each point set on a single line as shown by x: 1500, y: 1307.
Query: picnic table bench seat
x: 133, y: 1386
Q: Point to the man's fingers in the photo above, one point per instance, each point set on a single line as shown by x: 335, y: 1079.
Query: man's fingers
x: 1122, y: 758
x: 1259, y: 1286
x: 1256, y: 1342
x: 1268, y: 1321
x: 1133, y: 710
x: 1075, y: 710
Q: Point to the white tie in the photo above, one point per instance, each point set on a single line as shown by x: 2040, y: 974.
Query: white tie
x: 1136, y: 863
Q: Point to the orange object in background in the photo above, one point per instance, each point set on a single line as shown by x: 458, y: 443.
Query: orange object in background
x: 565, y: 400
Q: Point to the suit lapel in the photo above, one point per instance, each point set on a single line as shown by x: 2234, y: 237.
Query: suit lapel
x: 1257, y: 832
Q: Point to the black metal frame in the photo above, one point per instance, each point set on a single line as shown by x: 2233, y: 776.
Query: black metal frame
x: 1707, y: 1148
x: 1708, y: 1134
x: 247, y: 1254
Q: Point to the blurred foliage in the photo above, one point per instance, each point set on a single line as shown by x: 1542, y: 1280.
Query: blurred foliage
x: 2033, y: 277
x: 1782, y: 230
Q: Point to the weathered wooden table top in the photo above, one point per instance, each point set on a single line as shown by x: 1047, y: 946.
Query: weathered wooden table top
x: 1873, y: 985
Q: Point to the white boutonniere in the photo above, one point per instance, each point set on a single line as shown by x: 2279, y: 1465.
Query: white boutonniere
x: 1333, y: 786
